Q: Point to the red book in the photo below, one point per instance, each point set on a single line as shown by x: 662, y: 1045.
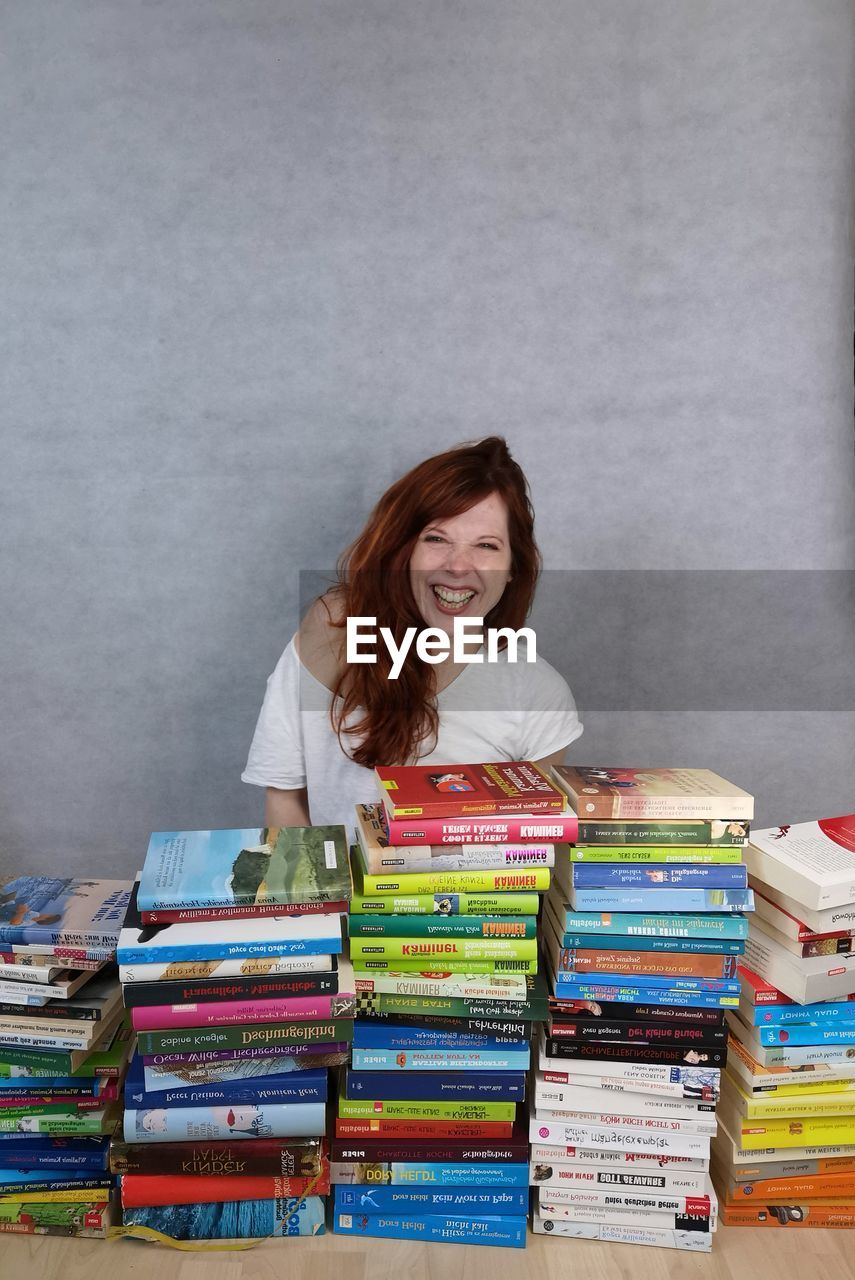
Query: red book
x: 492, y: 829
x: 457, y: 790
x: 222, y: 1013
x: 185, y: 915
x: 144, y: 1189
x: 430, y: 1130
x: 445, y: 1151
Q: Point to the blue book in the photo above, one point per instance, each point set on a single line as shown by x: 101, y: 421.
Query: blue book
x: 490, y: 1200
x: 687, y: 946
x: 296, y: 1086
x: 608, y: 875
x: 417, y: 1175
x: 368, y: 1034
x: 25, y: 1151
x: 244, y: 867
x: 653, y: 900
x: 785, y: 1015
x: 451, y: 1086
x: 807, y: 1033
x: 569, y: 982
x: 374, y: 1059
x: 315, y: 934
x: 63, y: 912
x: 508, y: 1232
x: 655, y: 925
x: 224, y: 1123
x: 605, y: 993
x: 232, y: 1219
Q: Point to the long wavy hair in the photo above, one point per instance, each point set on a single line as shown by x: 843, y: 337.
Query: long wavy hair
x: 373, y: 581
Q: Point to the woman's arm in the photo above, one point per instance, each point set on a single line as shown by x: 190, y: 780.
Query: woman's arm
x: 286, y: 808
x: 557, y: 757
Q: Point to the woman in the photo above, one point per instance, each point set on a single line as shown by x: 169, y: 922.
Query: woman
x: 454, y: 537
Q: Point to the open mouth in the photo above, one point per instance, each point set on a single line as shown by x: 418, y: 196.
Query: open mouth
x: 452, y: 601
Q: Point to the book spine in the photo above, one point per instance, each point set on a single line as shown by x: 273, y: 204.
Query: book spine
x: 832, y: 1186
x: 208, y: 1095
x: 170, y: 953
x: 101, y: 1187
x: 443, y: 1033
x: 235, y: 1012
x: 60, y: 1126
x: 432, y: 1176
x: 561, y: 828
x: 585, y: 1184
x: 395, y: 964
x: 567, y: 983
x: 474, y: 857
x: 672, y: 1082
x: 446, y: 904
x: 813, y: 1131
x: 684, y: 946
x: 636, y: 924
x: 668, y: 834
x: 231, y: 1219
x: 530, y: 880
x: 423, y: 1109
x: 509, y: 1232
x: 670, y: 997
x: 789, y: 1216
x: 210, y: 990
x: 454, y: 985
x: 390, y: 1199
x: 595, y: 1160
x: 627, y: 1012
x: 808, y: 1033
x: 429, y: 926
x: 591, y: 875
x: 285, y: 1053
x: 382, y: 1151
x: 700, y: 856
x: 347, y: 1128
x: 495, y: 1009
x: 150, y: 1043
x: 464, y: 1086
x: 199, y: 912
x: 439, y: 1060
x: 658, y: 963
x: 187, y: 971
x: 653, y: 900
x: 632, y: 807
x: 603, y: 1031
x: 556, y: 1103
x: 140, y: 1190
x: 442, y: 949
x: 264, y: 1157
x: 794, y: 1015
x: 176, y: 1124
x: 658, y: 1054
x: 613, y: 1138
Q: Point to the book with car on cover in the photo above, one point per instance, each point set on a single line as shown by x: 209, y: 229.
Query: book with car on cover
x: 245, y: 867
x: 461, y: 790
x: 690, y: 794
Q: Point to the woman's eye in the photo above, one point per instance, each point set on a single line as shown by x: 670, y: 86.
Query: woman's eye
x: 489, y: 546
x: 433, y: 537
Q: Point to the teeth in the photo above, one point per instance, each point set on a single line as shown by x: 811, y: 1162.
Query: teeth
x: 453, y: 597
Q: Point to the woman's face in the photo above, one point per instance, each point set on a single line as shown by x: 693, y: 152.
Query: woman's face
x: 460, y: 565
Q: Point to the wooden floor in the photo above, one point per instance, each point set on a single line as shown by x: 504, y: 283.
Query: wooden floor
x: 738, y: 1254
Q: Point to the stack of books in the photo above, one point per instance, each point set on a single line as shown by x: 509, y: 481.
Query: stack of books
x: 443, y: 940
x: 232, y: 971
x: 63, y: 1051
x: 785, y: 1154
x: 642, y: 931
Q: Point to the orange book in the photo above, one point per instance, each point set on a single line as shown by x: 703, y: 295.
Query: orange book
x: 839, y: 1186
x: 788, y: 1215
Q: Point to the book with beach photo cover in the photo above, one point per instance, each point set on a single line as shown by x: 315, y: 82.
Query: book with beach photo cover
x: 62, y: 912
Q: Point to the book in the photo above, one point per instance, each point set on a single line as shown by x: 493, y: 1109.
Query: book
x: 229, y: 1013
x: 380, y: 856
x: 292, y: 1086
x: 219, y: 1122
x: 629, y: 1051
x: 158, y: 1077
x: 642, y: 832
x: 427, y: 791
x: 37, y: 1151
x: 263, y: 1035
x: 807, y: 1033
x: 444, y: 905
x: 230, y: 1219
x: 422, y: 1109
x: 244, y: 868
x: 640, y: 855
x: 599, y: 875
x: 790, y: 926
x: 564, y: 1157
x: 63, y: 911
x: 291, y: 1057
x: 375, y: 1150
x: 615, y: 1137
x: 425, y: 926
x: 166, y: 1189
x: 515, y: 879
x: 484, y: 1229
x: 409, y: 1129
x: 444, y: 1060
x: 701, y: 994
x: 826, y: 920
x: 432, y: 1176
x: 85, y: 1217
x: 816, y: 945
x: 453, y: 1086
x: 636, y: 1109
x: 806, y: 981
x: 691, y: 1241
x: 499, y: 828
x: 225, y: 1157
x: 44, y: 982
x: 391, y: 1032
x: 445, y: 964
x: 604, y: 1030
x: 684, y: 901
x: 596, y: 1184
x: 811, y: 862
x: 570, y: 984
x: 640, y: 962
x: 531, y: 1007
x: 212, y: 990
x: 664, y: 794
x: 805, y: 1104
x: 789, y: 1215
x: 287, y: 967
x: 227, y: 939
x: 441, y: 950
x: 390, y: 1199
x: 616, y: 1215
x: 772, y: 1157
x: 504, y: 987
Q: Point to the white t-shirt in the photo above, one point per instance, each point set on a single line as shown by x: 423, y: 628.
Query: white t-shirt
x: 490, y: 711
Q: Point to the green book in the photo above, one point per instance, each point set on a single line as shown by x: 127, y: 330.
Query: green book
x: 86, y: 1123
x: 646, y: 832
x: 718, y: 855
x: 377, y: 1004
x: 426, y: 926
x: 419, y: 1109
x: 442, y: 951
x: 445, y: 904
x: 257, y: 1035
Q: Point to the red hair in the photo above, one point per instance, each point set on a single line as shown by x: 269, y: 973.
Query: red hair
x: 374, y: 581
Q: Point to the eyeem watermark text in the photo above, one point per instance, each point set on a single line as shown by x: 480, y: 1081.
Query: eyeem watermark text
x: 434, y: 645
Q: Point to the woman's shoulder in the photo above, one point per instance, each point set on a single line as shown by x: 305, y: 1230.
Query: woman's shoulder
x: 319, y: 643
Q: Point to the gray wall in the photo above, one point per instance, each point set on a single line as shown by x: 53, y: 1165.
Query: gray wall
x: 259, y: 258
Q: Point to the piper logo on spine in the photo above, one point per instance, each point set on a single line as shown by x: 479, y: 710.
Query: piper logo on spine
x: 434, y: 645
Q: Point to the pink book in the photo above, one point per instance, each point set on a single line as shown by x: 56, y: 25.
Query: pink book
x: 227, y: 1013
x: 496, y: 828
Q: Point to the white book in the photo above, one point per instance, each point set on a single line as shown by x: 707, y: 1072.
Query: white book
x: 692, y: 1241
x: 638, y: 1124
x: 617, y: 1215
x: 617, y: 1138
x: 562, y: 1096
x: 592, y: 1184
x: 828, y: 920
x: 811, y: 862
x: 585, y: 1158
x: 194, y: 970
x: 807, y: 980
x: 630, y: 1197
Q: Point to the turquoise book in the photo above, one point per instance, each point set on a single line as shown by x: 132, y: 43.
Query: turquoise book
x: 245, y: 867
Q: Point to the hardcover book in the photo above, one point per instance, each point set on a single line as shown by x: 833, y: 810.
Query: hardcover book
x: 664, y: 794
x: 425, y: 791
x: 244, y: 868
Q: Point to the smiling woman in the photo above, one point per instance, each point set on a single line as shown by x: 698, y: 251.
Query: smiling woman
x: 451, y: 542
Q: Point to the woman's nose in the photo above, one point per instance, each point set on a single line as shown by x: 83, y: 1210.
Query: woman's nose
x: 458, y: 559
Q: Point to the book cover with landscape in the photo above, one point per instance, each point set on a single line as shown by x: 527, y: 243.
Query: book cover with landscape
x: 62, y: 911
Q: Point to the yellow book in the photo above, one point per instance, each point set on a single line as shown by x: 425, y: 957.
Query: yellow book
x: 80, y: 1196
x: 808, y: 1103
x: 505, y: 879
x: 817, y: 1131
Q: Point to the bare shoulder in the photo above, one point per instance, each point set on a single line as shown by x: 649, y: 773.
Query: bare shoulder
x: 320, y: 644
